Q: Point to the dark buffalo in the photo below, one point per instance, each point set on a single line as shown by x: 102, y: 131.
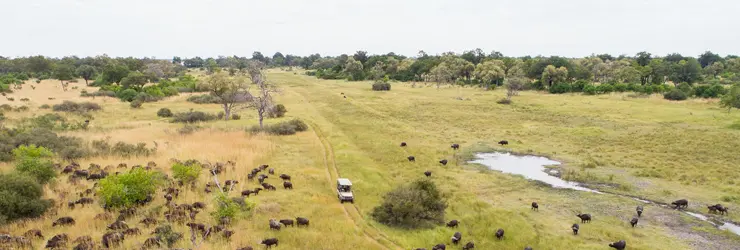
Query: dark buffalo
x: 411, y: 158
x: 575, y: 228
x: 535, y: 206
x: 403, y: 144
x: 500, y: 233
x: 443, y: 162
x: 151, y: 243
x: 633, y: 222
x: 96, y: 176
x: 584, y: 217
x: 247, y: 193
x: 619, y: 245
x: 682, y: 203
x: 287, y: 185
x: 528, y: 248
x: 227, y: 234
x: 245, y: 248
x: 199, y: 205
x: 301, y: 221
x: 453, y: 223
x: 85, y: 200
x: 717, y: 208
x: 148, y: 221
x: 118, y: 225
x: 428, y: 173
x: 132, y: 231
x: 469, y: 245
x: 81, y: 173
x: 456, y: 238
x: 33, y: 233
x: 639, y: 210
x: 455, y: 146
x: 285, y: 177
x: 269, y: 242
x: 112, y: 239
x: 274, y: 224
x: 287, y: 222
x: 271, y: 171
x: 439, y: 247
x: 503, y: 142
x: 63, y: 221
x: 58, y: 241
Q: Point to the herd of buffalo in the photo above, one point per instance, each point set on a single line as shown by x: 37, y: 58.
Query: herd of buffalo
x: 183, y: 214
x: 585, y: 218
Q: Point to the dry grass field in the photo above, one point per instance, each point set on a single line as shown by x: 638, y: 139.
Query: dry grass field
x: 645, y: 147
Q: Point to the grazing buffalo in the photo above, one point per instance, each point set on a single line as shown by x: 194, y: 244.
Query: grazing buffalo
x: 403, y: 144
x: 81, y: 173
x: 633, y: 222
x: 584, y: 217
x: 456, y: 238
x: 274, y: 224
x: 84, y: 201
x: 151, y: 243
x: 263, y: 167
x: 439, y: 247
x: 455, y: 146
x: 301, y: 221
x: 469, y: 245
x: 717, y: 208
x: 287, y: 185
x: 148, y: 221
x: 63, y: 221
x: 132, y: 231
x: 682, y: 203
x: 503, y: 142
x: 500, y: 233
x: 99, y: 176
x: 575, y: 228
x: 33, y: 233
x: 285, y: 177
x: 199, y: 205
x: 231, y: 182
x: 271, y: 171
x: 245, y: 248
x: 227, y: 234
x: 639, y: 210
x: 71, y: 205
x: 112, y: 239
x: 411, y: 158
x: 118, y: 225
x: 268, y: 186
x: 528, y: 248
x: 453, y: 223
x: 443, y: 162
x: 535, y: 206
x: 619, y: 245
x: 58, y: 241
x: 68, y: 169
x: 428, y: 173
x: 247, y: 193
x: 286, y: 222
x: 269, y: 242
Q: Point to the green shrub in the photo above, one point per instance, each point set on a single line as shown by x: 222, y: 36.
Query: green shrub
x: 188, y: 129
x: 164, y: 112
x: 220, y: 115
x: 21, y: 109
x: 620, y: 87
x: 186, y: 173
x: 193, y: 116
x: 104, y: 148
x: 136, y: 104
x: 145, y: 97
x: 107, y: 93
x: 66, y: 147
x: 231, y: 207
x: 381, y: 86
x: 45, y: 106
x: 166, y: 235
x: 126, y: 189
x: 236, y: 117
x: 127, y: 95
x: 51, y: 121
x: 675, y: 95
x: 686, y: 89
x: 560, y: 88
x: 69, y: 106
x: 707, y: 91
x: 21, y: 198
x: 604, y: 88
x: 416, y: 205
x: 282, y: 128
x: 170, y: 91
x: 277, y: 111
x: 590, y: 90
x: 35, y: 161
x: 204, y: 99
x: 6, y: 107
x: 578, y: 86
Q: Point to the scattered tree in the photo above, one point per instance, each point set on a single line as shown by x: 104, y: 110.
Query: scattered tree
x: 732, y: 98
x: 552, y: 75
x: 64, y: 72
x: 490, y: 72
x: 126, y: 189
x: 87, y: 72
x: 232, y: 92
x: 419, y: 204
x: 35, y: 161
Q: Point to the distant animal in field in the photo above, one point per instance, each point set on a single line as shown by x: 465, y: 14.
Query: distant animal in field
x: 411, y: 158
x: 455, y: 146
x: 439, y: 247
x: 428, y: 173
x: 245, y: 248
x: 619, y: 245
x: 269, y: 242
x: 633, y: 222
x: 453, y: 223
x: 469, y: 245
x: 403, y: 144
x: 682, y: 203
x: 118, y: 225
x: 456, y: 238
x: 58, y: 241
x: 33, y: 233
x: 639, y: 210
x: 585, y: 218
x: 271, y: 171
x: 500, y: 233
x: 287, y: 185
x: 285, y: 177
x: 112, y: 239
x: 528, y: 248
x: 443, y: 162
x: 535, y: 206
x: 286, y: 222
x: 63, y: 221
x: 575, y: 228
x: 503, y: 142
x: 301, y: 221
x: 717, y: 208
x: 274, y: 224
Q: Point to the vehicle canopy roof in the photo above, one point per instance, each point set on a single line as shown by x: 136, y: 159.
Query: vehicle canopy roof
x: 344, y: 182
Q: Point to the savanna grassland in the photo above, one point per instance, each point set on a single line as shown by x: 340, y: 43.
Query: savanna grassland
x: 641, y: 146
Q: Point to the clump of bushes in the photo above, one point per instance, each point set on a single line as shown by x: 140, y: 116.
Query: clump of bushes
x: 168, y: 236
x: 381, y: 86
x: 709, y: 91
x: 192, y: 117
x: 6, y: 107
x: 188, y: 129
x: 504, y: 101
x: 675, y: 95
x: 45, y: 106
x: 282, y: 128
x: 187, y: 173
x: 236, y: 117
x: 164, y: 112
x: 231, y: 207
x: 22, y: 198
x: 560, y: 88
x: 21, y: 109
x: 103, y: 148
x: 66, y: 147
x: 136, y: 104
x: 416, y: 205
x: 277, y: 111
x: 204, y: 99
x: 70, y: 106
x: 127, y: 95
x: 107, y: 93
x: 51, y: 122
x: 126, y: 189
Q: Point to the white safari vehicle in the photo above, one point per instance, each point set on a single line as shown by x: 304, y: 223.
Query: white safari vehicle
x: 344, y: 190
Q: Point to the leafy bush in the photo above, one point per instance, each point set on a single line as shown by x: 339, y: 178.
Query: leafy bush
x: 193, y: 116
x: 675, y: 95
x: 21, y: 198
x: 604, y: 88
x: 70, y: 106
x: 107, y: 93
x: 707, y: 91
x: 231, y: 207
x: 282, y: 128
x: 35, y: 161
x: 65, y: 147
x: 236, y: 117
x: 686, y: 89
x: 127, y: 95
x: 136, y: 104
x: 146, y: 97
x: 164, y: 112
x: 21, y: 109
x: 168, y: 236
x: 220, y: 115
x: 6, y: 107
x: 578, y: 86
x: 277, y: 111
x: 51, y: 121
x: 590, y: 90
x: 204, y: 99
x: 381, y: 86
x: 188, y: 129
x: 45, y: 106
x: 560, y: 88
x: 416, y: 205
x: 186, y: 173
x: 103, y: 148
x: 126, y: 189
x: 620, y: 87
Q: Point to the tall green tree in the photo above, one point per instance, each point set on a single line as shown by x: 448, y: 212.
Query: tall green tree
x: 278, y: 59
x: 114, y: 73
x: 490, y: 72
x: 360, y: 56
x: 135, y: 80
x: 688, y: 71
x: 715, y: 69
x: 353, y: 70
x: 708, y: 58
x: 87, y: 72
x: 732, y: 98
x: 552, y: 75
x: 643, y: 58
x: 64, y: 72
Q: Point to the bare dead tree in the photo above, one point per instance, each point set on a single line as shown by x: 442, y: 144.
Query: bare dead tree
x: 261, y: 99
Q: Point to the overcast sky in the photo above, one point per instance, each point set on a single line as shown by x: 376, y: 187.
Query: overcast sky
x: 188, y: 28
